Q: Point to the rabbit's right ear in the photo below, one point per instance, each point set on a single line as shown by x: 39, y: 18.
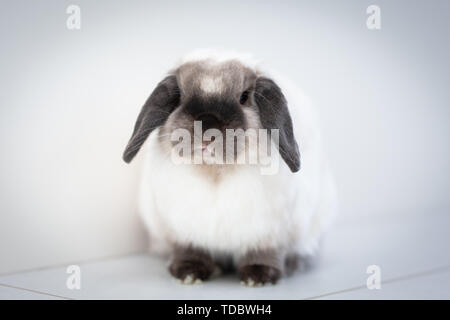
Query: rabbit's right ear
x: 163, y: 100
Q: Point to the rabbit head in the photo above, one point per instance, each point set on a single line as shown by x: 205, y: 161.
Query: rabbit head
x: 218, y: 96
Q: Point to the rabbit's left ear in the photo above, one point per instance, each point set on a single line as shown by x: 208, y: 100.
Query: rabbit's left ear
x: 274, y: 114
x: 163, y: 100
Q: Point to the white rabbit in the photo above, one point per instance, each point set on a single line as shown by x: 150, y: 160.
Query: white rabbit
x: 232, y: 214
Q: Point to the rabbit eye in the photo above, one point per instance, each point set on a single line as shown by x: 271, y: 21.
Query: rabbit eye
x: 244, y: 97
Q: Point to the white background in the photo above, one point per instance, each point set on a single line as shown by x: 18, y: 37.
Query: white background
x: 69, y: 99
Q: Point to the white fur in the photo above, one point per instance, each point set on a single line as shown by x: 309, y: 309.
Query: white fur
x: 212, y: 85
x: 244, y: 210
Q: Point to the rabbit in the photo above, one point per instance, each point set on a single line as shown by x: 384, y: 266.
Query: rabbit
x: 212, y: 217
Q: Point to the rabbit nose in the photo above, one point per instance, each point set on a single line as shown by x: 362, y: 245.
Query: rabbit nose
x: 209, y: 121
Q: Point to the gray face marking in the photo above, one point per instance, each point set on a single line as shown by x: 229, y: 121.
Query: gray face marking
x: 209, y: 78
x: 213, y: 91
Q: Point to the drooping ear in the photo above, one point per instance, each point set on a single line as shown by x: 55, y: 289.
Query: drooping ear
x: 163, y: 100
x: 274, y: 114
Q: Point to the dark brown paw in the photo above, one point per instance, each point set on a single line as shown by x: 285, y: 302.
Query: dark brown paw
x: 258, y: 275
x: 191, y: 271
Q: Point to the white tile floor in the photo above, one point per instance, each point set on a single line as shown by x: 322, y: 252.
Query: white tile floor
x: 411, y: 250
